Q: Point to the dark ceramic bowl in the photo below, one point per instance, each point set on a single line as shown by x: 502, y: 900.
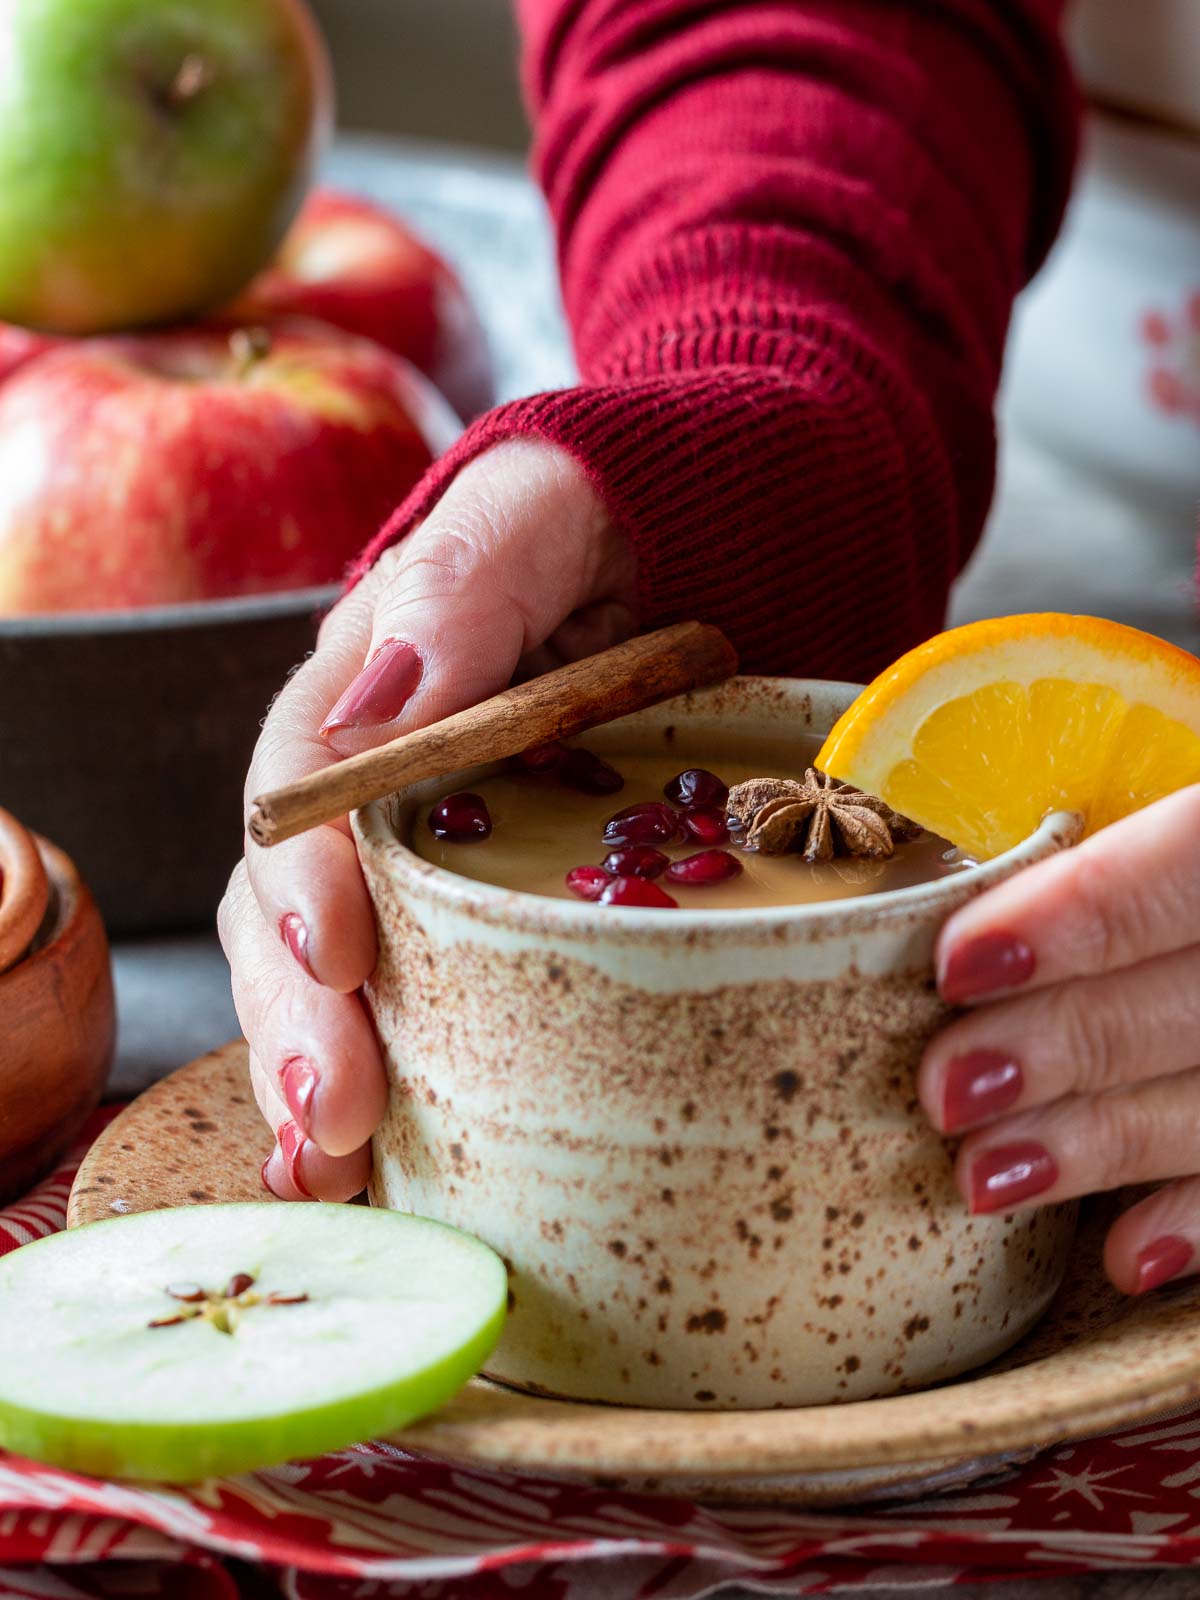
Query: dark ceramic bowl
x: 125, y: 737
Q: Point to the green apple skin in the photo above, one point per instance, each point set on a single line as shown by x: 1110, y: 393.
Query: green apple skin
x: 152, y: 153
x: 369, y: 1269
x: 191, y: 1452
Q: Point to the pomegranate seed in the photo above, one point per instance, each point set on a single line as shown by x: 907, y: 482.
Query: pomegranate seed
x: 586, y: 772
x: 542, y: 758
x: 636, y: 892
x: 706, y: 825
x: 710, y: 866
x: 648, y: 823
x: 460, y: 819
x: 696, y: 787
x: 637, y: 861
x: 588, y: 882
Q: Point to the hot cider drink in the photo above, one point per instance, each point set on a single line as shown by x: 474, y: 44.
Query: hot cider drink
x: 666, y: 824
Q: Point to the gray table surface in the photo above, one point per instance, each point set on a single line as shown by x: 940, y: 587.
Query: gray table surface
x: 1057, y: 540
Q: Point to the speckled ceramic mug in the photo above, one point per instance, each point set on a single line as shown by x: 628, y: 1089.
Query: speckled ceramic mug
x: 693, y: 1136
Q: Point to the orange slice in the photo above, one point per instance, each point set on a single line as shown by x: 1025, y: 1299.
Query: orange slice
x: 981, y: 731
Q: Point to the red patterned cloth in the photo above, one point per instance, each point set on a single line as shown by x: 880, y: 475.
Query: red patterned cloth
x: 372, y: 1522
x: 790, y: 233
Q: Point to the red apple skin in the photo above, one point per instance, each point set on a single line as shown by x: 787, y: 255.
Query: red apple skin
x: 359, y: 267
x: 154, y: 469
x: 19, y: 345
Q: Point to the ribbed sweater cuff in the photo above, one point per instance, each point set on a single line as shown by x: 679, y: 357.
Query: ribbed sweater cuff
x: 786, y: 507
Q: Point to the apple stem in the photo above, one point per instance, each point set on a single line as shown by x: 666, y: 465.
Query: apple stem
x: 194, y: 76
x: 248, y: 346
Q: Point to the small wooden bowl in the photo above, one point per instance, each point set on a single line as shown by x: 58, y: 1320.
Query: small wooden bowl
x: 56, y: 999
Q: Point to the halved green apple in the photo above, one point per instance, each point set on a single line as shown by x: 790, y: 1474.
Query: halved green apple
x: 185, y: 1344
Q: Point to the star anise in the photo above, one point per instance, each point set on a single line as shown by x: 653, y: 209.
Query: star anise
x: 818, y: 819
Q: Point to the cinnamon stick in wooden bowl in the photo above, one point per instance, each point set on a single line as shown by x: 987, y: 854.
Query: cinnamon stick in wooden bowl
x: 24, y: 890
x: 56, y: 998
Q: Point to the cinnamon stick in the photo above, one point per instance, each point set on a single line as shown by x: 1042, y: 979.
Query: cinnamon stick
x: 24, y: 890
x: 639, y: 673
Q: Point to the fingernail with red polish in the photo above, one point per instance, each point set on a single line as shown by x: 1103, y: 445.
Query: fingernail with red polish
x: 299, y: 1081
x: 291, y: 1148
x: 979, y: 1085
x: 1160, y: 1261
x: 985, y: 965
x: 381, y: 691
x: 295, y: 935
x: 1009, y: 1173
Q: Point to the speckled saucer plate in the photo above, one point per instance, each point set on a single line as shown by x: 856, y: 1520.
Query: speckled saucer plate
x: 1097, y: 1360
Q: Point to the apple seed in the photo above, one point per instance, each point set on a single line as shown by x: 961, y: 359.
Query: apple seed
x: 219, y: 1309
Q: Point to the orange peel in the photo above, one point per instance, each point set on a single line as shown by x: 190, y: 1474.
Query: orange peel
x: 981, y: 731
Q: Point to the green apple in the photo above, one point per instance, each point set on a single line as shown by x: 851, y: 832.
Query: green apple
x: 152, y: 153
x: 178, y: 1345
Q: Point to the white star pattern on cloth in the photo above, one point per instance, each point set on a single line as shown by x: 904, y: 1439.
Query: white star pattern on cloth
x: 1085, y: 1484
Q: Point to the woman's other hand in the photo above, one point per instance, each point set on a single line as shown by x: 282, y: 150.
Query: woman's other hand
x: 1076, y: 1067
x: 517, y: 569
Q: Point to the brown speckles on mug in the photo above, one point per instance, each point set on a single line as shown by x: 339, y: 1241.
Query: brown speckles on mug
x: 694, y: 1137
x: 713, y: 1320
x: 785, y: 1085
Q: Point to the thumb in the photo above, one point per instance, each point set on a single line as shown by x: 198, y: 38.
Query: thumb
x: 519, y: 545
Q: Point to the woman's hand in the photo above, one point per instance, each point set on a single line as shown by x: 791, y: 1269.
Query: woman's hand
x: 518, y: 567
x: 1077, y: 1067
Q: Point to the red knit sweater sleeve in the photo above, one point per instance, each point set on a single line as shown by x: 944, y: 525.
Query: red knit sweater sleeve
x: 790, y: 233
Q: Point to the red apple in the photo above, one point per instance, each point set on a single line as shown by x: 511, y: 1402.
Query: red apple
x: 203, y: 462
x: 360, y: 268
x: 19, y: 345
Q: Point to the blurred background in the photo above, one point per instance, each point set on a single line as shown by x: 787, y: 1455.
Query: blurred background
x: 446, y: 69
x: 428, y: 69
